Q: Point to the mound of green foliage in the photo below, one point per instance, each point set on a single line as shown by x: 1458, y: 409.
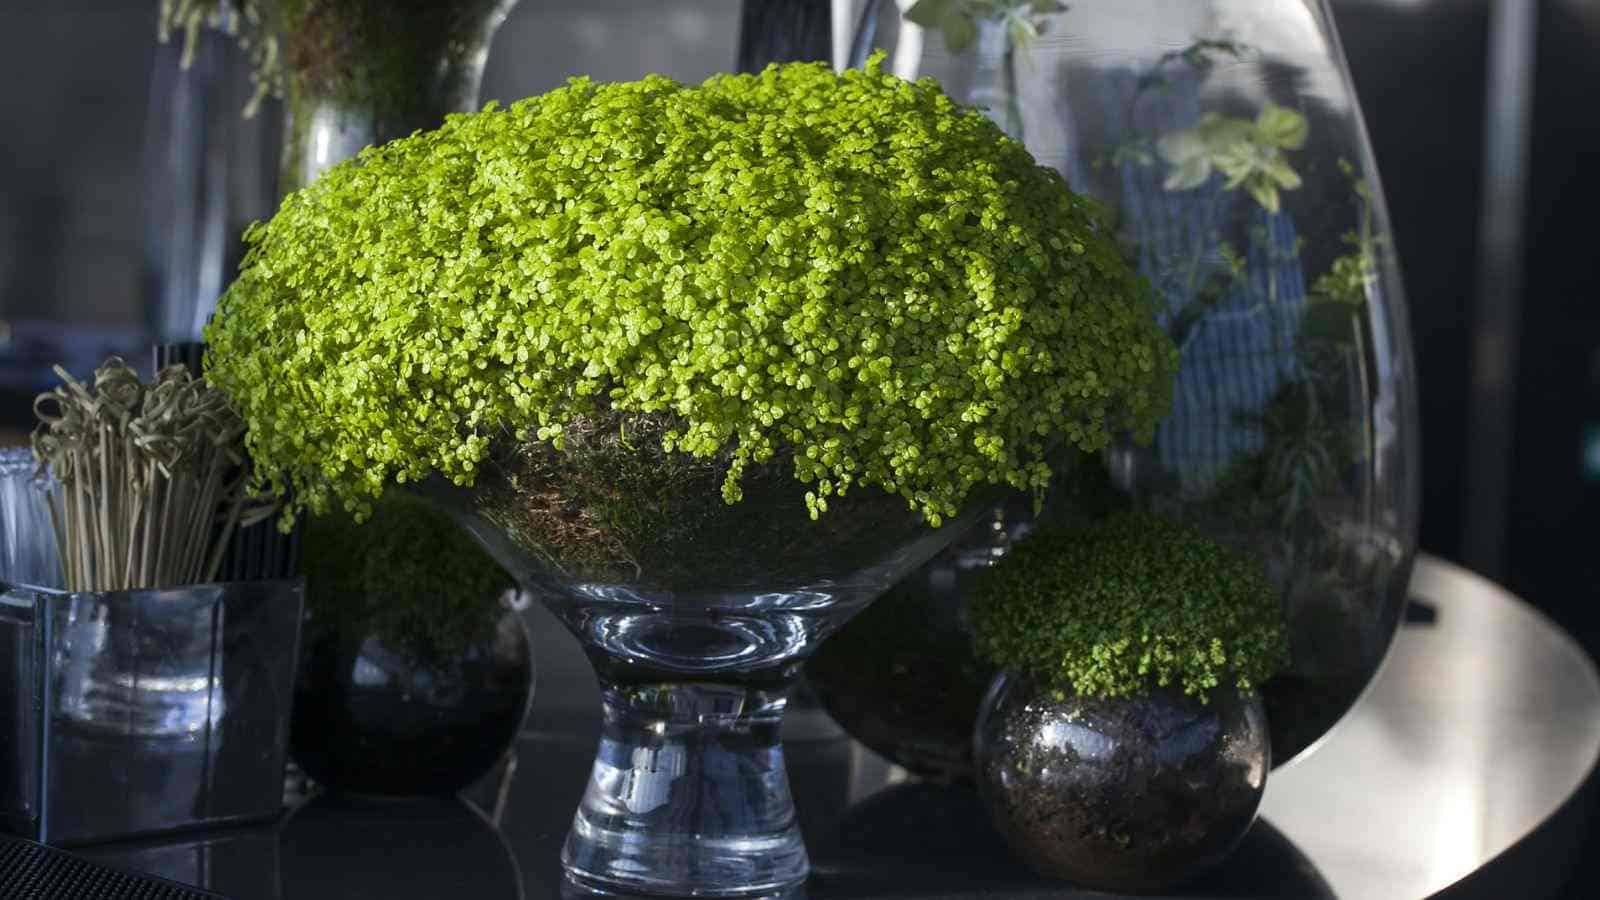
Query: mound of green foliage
x: 409, y: 574
x: 1135, y: 601
x: 850, y: 268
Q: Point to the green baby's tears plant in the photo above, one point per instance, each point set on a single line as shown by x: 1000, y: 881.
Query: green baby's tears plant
x: 1136, y: 601
x: 848, y: 268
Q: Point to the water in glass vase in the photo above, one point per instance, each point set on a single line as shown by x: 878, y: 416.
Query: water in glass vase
x: 689, y: 786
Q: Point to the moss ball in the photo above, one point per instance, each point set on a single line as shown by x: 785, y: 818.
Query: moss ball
x: 1135, y: 601
x: 409, y: 574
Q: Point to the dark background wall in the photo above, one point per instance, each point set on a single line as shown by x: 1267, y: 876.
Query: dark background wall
x: 73, y: 109
x: 1554, y: 515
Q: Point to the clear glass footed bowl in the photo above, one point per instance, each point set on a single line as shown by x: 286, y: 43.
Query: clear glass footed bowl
x: 1225, y: 139
x: 639, y: 554
x: 696, y: 615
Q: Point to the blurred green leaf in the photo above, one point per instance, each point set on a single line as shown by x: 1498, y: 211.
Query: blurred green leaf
x: 959, y: 33
x: 1249, y: 154
x: 932, y: 13
x: 1264, y: 193
x: 1282, y: 127
x: 1277, y: 168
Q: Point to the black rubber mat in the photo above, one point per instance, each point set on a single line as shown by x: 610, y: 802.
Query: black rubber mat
x: 30, y: 871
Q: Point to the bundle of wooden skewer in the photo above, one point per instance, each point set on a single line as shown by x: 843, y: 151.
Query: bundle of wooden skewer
x: 151, y: 478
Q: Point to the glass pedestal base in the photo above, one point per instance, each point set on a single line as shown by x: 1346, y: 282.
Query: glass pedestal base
x: 697, y: 630
x: 689, y: 796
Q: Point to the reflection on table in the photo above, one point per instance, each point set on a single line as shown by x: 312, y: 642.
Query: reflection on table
x: 1484, y: 721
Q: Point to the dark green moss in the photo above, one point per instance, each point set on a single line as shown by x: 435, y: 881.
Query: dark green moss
x: 409, y: 575
x: 1132, y: 602
x: 612, y: 505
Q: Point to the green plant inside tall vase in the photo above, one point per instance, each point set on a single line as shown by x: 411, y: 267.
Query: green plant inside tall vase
x: 1227, y: 141
x: 352, y: 73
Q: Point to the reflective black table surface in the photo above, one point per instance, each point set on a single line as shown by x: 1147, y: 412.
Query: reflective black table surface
x: 1466, y: 768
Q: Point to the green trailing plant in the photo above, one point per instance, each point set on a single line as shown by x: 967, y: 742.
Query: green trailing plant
x: 1305, y: 453
x: 1351, y: 277
x: 244, y: 22
x: 1306, y: 448
x: 150, y: 477
x: 849, y: 273
x: 1201, y: 57
x: 409, y: 574
x: 1250, y: 153
x: 1133, y: 602
x: 1162, y: 77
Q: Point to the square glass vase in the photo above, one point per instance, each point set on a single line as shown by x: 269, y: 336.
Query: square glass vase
x: 132, y: 713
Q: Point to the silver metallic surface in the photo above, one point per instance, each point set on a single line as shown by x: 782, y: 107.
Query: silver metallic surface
x: 1478, y: 727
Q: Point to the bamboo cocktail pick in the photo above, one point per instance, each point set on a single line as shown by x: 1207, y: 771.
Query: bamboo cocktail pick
x: 151, y: 478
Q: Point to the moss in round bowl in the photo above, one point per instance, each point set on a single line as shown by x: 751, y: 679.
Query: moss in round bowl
x: 848, y: 274
x: 409, y: 575
x: 1134, y: 602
